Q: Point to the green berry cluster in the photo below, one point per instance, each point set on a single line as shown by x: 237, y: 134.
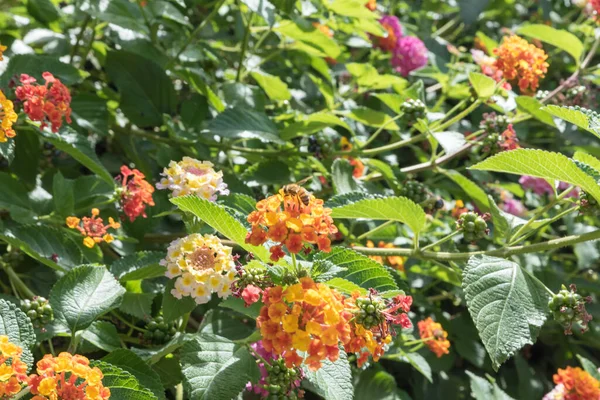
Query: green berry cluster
x: 158, y: 331
x: 320, y: 144
x: 575, y: 91
x: 38, y: 310
x: 281, y: 380
x: 493, y: 123
x: 414, y: 109
x: 541, y: 94
x: 415, y: 190
x: 568, y: 308
x: 588, y: 205
x: 291, y: 278
x: 252, y: 276
x: 11, y: 258
x: 473, y: 225
x: 369, y: 313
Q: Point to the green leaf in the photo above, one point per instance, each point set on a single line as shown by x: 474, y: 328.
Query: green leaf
x: 587, y: 159
x: 169, y: 371
x: 470, y: 9
x: 197, y: 82
x: 393, y: 101
x: 273, y: 86
x: 373, y: 118
x: 334, y: 379
x: 356, y: 268
x: 341, y: 175
x: 62, y: 195
x: 376, y: 384
x: 119, y: 12
x: 311, y: 124
x: 22, y: 204
x: 390, y: 173
x: 138, y: 305
x: 576, y: 117
x: 130, y: 362
x: 216, y: 368
x: 216, y: 216
x: 123, y: 385
x: 35, y: 65
x: 268, y: 172
x: 263, y: 8
x: 103, y: 335
x: 153, y: 355
x: 540, y: 164
x: 482, y: 389
x: 367, y: 76
x: 471, y: 189
x: 15, y: 324
x: 43, y: 244
x: 83, y: 294
x: 350, y: 8
x: 534, y: 107
x: 507, y: 305
x: 451, y: 142
x: 345, y: 286
x: 174, y: 308
x: 589, y: 367
x: 238, y: 305
x: 416, y: 360
x: 398, y: 209
x: 42, y: 10
x: 7, y: 151
x: 501, y: 225
x: 243, y: 123
x: 440, y: 271
x: 140, y: 265
x: 483, y: 85
x: 309, y: 39
x: 90, y: 113
x: 560, y: 38
x: 146, y: 91
x: 80, y: 148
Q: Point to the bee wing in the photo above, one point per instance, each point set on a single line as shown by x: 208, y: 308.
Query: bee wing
x: 303, y: 181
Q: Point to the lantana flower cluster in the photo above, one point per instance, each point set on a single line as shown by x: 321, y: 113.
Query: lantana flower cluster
x: 396, y: 262
x: 136, y: 192
x: 191, y: 176
x: 8, y: 117
x: 521, y: 61
x: 434, y: 336
x: 202, y: 266
x: 67, y: 377
x: 284, y: 219
x: 93, y: 228
x: 48, y: 103
x: 408, y: 52
x: 13, y: 371
x: 488, y: 67
x: 574, y: 384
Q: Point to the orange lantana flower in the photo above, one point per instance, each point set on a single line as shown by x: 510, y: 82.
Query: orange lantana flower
x: 577, y: 384
x: 93, y: 228
x: 436, y: 338
x: 521, y: 61
x: 13, y: 371
x: 8, y: 117
x: 396, y: 262
x: 136, y: 194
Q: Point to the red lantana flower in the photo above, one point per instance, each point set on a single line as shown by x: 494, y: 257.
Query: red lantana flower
x: 137, y: 193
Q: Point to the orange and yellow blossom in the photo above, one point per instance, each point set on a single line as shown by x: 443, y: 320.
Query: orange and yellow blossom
x: 8, y: 116
x: 396, y: 262
x: 284, y: 219
x: 13, y: 371
x: 67, y: 377
x: 521, y: 61
x: 436, y: 338
x: 2, y: 50
x: 576, y: 384
x: 93, y: 228
x: 371, y: 5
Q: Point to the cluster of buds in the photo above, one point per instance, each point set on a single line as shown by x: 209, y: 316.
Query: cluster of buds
x: 415, y: 191
x: 499, y: 134
x: 568, y: 308
x: 369, y: 312
x: 320, y: 144
x: 38, y: 310
x: 588, y: 205
x: 413, y: 109
x: 281, y: 381
x: 158, y: 331
x: 11, y: 258
x: 473, y: 225
x: 250, y: 283
x: 493, y: 123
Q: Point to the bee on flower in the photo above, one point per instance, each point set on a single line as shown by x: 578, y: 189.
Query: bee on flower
x: 48, y: 103
x: 13, y: 371
x: 434, y: 336
x: 136, y: 193
x: 93, y: 228
x: 522, y: 62
x: 8, y: 117
x: 190, y: 176
x: 291, y: 218
x: 202, y: 266
x: 67, y: 377
x: 574, y: 384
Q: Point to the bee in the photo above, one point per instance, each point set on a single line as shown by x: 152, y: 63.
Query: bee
x: 296, y: 190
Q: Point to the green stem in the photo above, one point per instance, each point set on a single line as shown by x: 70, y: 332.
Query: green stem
x: 245, y: 41
x: 458, y: 106
x: 129, y: 324
x: 184, y: 322
x: 387, y: 147
x: 459, y: 116
x: 376, y: 229
x: 73, y: 343
x: 442, y: 240
x: 380, y: 129
x: 294, y: 263
x: 22, y: 393
x: 51, y: 346
x: 74, y: 49
x: 553, y: 219
x: 18, y: 283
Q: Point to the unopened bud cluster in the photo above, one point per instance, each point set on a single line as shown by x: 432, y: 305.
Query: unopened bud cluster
x: 588, y: 204
x: 414, y: 109
x: 282, y: 381
x: 568, y: 307
x: 369, y: 313
x: 320, y: 145
x: 11, y: 258
x: 38, y: 310
x: 158, y: 331
x: 473, y: 225
x: 494, y: 123
x: 415, y: 191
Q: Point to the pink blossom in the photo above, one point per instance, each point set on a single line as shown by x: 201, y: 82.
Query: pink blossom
x: 410, y: 54
x: 514, y: 207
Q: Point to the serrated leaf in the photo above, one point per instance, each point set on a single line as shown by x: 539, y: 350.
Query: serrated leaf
x: 349, y: 198
x: 560, y: 38
x: 589, y: 367
x: 90, y: 113
x: 130, y: 362
x: 506, y: 304
x: 244, y: 123
x: 322, y: 271
x: 482, y: 389
x: 588, y: 169
x: 373, y: 118
x: 238, y: 305
x: 43, y: 243
x: 334, y: 379
x: 273, y: 86
x: 103, y: 335
x: 389, y: 173
x: 471, y: 189
x: 483, y: 85
x: 174, y: 308
x: 63, y: 195
x: 588, y: 159
x: 169, y: 371
x: 359, y: 269
x: 15, y: 324
x: 140, y: 265
x: 501, y: 225
x: 83, y: 294
x: 341, y: 175
x: 241, y: 202
x: 216, y: 368
x: 376, y: 384
x: 398, y: 209
x: 541, y: 164
x: 573, y: 116
x: 216, y: 216
x: 153, y: 355
x: 416, y: 360
x: 122, y: 384
x: 393, y: 101
x: 451, y: 142
x: 138, y: 305
x: 345, y: 286
x: 311, y: 124
x: 533, y: 106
